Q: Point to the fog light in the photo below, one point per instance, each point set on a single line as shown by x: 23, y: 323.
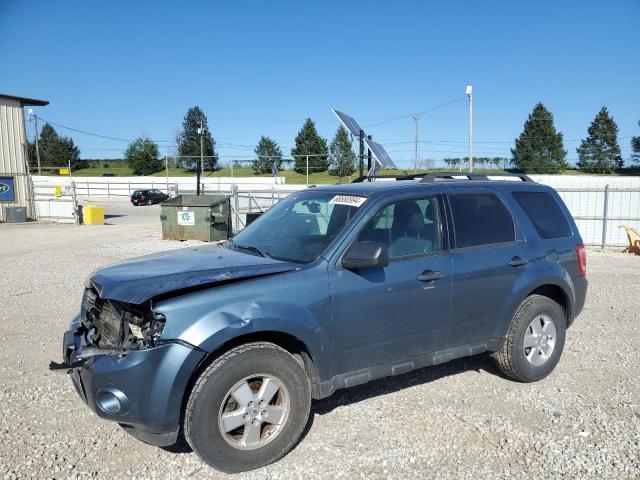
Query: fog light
x: 112, y: 401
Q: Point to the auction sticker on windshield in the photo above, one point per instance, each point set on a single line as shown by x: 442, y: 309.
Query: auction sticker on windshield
x: 186, y: 218
x: 350, y: 200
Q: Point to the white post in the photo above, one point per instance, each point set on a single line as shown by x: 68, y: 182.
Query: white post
x: 166, y: 167
x: 469, y: 92
x: 307, y: 170
x: 232, y: 180
x: 415, y: 160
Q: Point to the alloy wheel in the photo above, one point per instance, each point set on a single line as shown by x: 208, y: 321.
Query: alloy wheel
x: 540, y: 340
x: 254, y: 411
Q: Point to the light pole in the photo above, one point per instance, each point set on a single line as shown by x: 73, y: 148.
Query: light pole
x: 415, y: 159
x: 469, y: 92
x: 201, y: 163
x: 35, y: 124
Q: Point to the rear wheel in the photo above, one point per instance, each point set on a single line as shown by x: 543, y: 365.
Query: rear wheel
x: 248, y: 408
x: 534, y: 341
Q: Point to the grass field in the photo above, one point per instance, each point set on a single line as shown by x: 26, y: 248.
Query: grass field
x: 292, y: 177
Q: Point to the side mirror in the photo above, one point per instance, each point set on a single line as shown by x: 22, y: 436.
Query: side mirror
x: 366, y: 255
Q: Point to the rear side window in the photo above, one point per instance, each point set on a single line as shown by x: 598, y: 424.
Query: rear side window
x: 480, y: 219
x: 545, y: 214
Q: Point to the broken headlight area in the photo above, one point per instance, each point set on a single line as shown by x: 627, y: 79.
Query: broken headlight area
x: 117, y: 326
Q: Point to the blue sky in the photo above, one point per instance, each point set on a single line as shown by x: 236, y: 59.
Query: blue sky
x: 125, y: 69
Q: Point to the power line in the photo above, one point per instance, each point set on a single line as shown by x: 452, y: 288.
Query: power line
x: 99, y: 135
x: 416, y: 114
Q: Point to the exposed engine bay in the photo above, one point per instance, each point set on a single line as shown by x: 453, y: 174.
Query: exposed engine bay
x: 118, y: 326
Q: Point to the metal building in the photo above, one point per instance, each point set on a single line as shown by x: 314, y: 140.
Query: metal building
x: 15, y: 181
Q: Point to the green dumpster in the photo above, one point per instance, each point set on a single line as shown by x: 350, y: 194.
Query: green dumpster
x: 196, y: 217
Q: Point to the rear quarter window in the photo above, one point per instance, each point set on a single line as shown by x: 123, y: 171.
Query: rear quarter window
x: 545, y: 214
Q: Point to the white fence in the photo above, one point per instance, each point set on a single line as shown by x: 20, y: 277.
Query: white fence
x: 599, y: 204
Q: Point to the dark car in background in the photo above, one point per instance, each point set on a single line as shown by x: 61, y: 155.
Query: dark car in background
x: 332, y: 287
x: 148, y: 197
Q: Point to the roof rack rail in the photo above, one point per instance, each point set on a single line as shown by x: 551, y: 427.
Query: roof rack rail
x: 408, y: 176
x: 453, y: 176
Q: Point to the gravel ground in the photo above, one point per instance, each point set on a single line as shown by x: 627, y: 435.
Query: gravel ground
x: 458, y: 420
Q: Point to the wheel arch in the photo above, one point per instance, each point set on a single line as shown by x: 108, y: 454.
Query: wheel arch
x: 556, y: 293
x: 284, y: 340
x: 557, y: 289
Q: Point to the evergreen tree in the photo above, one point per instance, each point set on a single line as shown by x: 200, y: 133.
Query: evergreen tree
x: 142, y: 157
x: 344, y: 158
x: 635, y: 147
x: 308, y: 142
x: 55, y: 151
x: 539, y: 147
x: 600, y: 152
x: 268, y: 152
x: 188, y: 140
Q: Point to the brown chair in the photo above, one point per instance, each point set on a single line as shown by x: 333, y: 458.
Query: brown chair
x: 634, y: 239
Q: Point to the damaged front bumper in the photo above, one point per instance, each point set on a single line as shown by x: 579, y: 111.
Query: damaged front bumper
x: 140, y: 389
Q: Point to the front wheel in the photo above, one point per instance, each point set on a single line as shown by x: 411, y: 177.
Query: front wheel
x: 534, y: 341
x: 248, y: 408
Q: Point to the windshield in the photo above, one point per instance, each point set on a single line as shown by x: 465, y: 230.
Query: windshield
x: 299, y: 228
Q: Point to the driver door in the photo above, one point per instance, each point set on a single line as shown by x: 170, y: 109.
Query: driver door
x: 381, y: 315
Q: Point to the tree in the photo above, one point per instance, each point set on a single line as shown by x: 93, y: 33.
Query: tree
x: 308, y: 142
x: 344, y: 158
x: 600, y: 152
x: 142, y: 157
x: 268, y: 152
x: 55, y: 151
x: 539, y: 147
x: 635, y: 147
x: 188, y: 140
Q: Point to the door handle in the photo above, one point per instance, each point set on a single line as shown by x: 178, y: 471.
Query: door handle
x: 429, y: 276
x: 518, y: 261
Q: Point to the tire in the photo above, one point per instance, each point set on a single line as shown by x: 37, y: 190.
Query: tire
x: 529, y: 325
x: 210, y: 400
x: 149, y: 202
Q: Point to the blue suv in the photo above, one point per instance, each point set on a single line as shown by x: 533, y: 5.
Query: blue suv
x: 333, y: 287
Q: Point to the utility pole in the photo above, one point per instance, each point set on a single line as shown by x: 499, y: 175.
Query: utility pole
x: 199, y: 168
x: 415, y: 159
x: 369, y: 155
x: 35, y: 124
x: 166, y: 167
x: 361, y: 152
x: 469, y: 92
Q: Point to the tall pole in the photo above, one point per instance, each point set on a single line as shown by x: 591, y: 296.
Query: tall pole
x: 35, y: 125
x: 469, y: 92
x: 361, y: 153
x: 166, y: 167
x: 369, y: 155
x: 415, y: 159
x: 199, y: 169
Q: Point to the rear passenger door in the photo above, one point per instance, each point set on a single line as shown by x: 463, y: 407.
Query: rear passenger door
x: 488, y: 256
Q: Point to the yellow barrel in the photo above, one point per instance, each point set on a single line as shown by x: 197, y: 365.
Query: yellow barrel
x: 93, y: 215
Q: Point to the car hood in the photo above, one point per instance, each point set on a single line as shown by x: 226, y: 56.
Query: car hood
x: 140, y: 279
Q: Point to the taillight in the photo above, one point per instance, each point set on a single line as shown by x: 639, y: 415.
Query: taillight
x: 582, y: 259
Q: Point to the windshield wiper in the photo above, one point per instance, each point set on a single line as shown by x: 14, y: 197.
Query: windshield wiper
x: 249, y: 248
